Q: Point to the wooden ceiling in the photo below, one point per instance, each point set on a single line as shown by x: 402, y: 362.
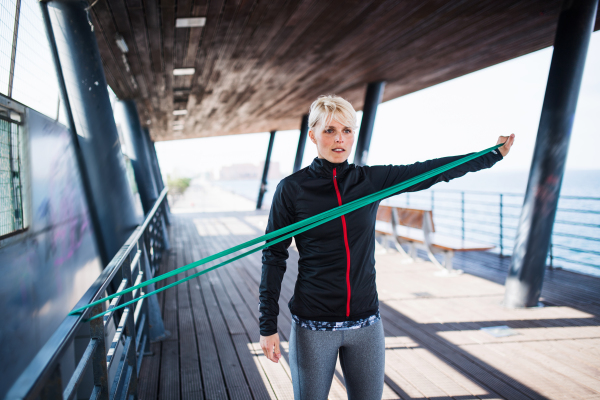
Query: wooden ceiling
x: 260, y: 63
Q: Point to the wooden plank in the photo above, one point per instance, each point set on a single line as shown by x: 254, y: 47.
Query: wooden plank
x: 260, y: 64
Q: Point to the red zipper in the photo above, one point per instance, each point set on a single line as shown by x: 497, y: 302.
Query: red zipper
x: 337, y: 191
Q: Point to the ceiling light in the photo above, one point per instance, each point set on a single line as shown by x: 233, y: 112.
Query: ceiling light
x: 184, y: 71
x: 179, y: 112
x: 190, y: 22
x: 121, y: 43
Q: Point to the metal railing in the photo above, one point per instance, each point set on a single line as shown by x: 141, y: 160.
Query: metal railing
x: 494, y: 217
x: 136, y: 261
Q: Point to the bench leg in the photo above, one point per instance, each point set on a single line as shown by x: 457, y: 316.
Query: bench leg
x: 413, y: 251
x: 448, y: 270
x: 448, y: 255
x: 381, y: 248
x: 400, y: 249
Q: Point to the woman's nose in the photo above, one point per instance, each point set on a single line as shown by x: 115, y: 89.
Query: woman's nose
x: 339, y: 137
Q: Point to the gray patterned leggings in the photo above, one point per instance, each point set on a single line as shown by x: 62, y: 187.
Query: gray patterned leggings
x: 313, y: 355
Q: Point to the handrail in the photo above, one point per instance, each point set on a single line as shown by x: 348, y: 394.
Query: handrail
x: 459, y: 213
x: 32, y: 380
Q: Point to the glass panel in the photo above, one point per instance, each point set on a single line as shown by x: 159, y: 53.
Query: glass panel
x: 35, y: 83
x: 7, y: 23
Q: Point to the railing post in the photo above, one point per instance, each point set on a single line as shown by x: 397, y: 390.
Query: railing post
x: 99, y: 367
x: 131, y: 356
x: 462, y: 211
x: 501, y: 225
x: 156, y: 325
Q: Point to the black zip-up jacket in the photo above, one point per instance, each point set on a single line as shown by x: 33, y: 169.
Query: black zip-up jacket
x: 336, y: 269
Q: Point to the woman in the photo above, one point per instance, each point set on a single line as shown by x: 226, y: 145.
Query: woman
x: 335, y: 307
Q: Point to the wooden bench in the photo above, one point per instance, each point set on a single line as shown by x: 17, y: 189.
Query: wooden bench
x: 415, y: 227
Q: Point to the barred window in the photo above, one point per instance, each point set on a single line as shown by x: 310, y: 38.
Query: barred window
x: 11, y: 201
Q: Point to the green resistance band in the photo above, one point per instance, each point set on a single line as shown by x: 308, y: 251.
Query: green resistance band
x: 287, y: 232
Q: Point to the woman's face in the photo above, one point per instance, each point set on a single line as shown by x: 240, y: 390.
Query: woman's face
x: 334, y: 142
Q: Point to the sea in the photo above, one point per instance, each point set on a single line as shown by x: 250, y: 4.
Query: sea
x: 470, y: 207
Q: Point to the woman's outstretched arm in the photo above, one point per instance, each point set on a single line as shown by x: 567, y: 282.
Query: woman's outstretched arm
x: 384, y: 176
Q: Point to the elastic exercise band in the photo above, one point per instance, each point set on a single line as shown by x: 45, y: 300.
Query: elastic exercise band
x: 288, y: 232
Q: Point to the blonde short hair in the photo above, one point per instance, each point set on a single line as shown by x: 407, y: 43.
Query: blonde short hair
x: 328, y: 108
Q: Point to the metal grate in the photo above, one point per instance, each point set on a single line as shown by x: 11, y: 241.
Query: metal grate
x: 11, y: 204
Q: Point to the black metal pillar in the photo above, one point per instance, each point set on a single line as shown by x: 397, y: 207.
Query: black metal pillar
x: 84, y: 91
x: 160, y: 185
x: 153, y: 160
x: 263, y: 182
x: 301, y: 143
x: 526, y: 275
x: 372, y: 100
x: 126, y: 113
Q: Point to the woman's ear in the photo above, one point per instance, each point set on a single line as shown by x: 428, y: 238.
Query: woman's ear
x: 311, y: 135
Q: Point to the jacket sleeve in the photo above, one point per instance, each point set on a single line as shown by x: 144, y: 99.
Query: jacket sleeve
x: 274, y: 260
x: 384, y: 176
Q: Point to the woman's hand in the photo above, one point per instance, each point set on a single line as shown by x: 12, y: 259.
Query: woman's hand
x: 270, y: 346
x: 508, y: 142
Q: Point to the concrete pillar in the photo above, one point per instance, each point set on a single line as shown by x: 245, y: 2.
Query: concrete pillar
x: 90, y: 117
x: 528, y: 264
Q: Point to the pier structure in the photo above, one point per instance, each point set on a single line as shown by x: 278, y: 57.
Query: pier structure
x: 90, y: 216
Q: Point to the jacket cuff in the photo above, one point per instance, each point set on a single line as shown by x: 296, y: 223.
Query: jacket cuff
x: 496, y: 154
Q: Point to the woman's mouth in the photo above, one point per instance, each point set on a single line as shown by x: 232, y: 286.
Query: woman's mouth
x: 339, y: 150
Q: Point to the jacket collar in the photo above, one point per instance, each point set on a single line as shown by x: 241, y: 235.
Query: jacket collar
x: 324, y: 168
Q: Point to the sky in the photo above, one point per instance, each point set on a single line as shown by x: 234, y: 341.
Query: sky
x: 459, y: 116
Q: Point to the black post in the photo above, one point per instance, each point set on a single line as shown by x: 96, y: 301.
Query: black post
x: 528, y: 264
x: 372, y: 100
x: 91, y: 122
x: 301, y: 143
x: 263, y: 183
x: 160, y: 185
x: 153, y: 160
x: 126, y: 113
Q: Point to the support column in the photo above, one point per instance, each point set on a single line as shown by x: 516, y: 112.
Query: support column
x: 160, y: 185
x: 263, y: 183
x: 301, y: 143
x: 372, y: 100
x: 126, y: 113
x: 91, y: 122
x: 528, y: 265
x: 153, y: 160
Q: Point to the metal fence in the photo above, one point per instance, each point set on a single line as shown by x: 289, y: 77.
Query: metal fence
x: 11, y: 204
x: 135, y: 262
x: 494, y: 217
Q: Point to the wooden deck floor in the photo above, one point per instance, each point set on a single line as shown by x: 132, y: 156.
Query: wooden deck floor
x: 435, y: 347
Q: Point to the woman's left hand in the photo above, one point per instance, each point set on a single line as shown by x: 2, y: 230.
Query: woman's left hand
x: 508, y: 142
